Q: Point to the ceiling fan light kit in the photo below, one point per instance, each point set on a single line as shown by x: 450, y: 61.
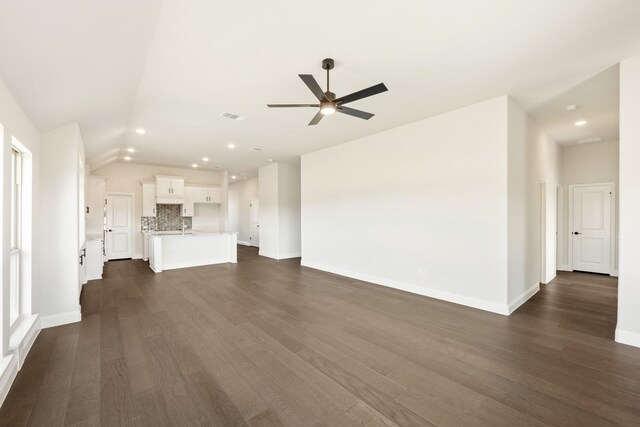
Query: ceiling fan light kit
x: 328, y: 102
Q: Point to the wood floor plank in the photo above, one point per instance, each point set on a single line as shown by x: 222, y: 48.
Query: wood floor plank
x: 271, y: 343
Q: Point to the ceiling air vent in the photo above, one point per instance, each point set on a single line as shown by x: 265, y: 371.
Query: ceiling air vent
x: 232, y: 116
x: 589, y: 140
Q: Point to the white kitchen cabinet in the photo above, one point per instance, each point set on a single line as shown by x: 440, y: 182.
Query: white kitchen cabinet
x: 188, y: 207
x: 148, y: 199
x: 169, y: 186
x: 145, y: 245
x: 207, y: 194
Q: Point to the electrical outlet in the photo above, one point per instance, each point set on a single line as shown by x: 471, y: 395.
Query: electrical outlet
x: 422, y: 272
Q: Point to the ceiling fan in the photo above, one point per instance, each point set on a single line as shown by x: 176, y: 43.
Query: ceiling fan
x: 328, y: 102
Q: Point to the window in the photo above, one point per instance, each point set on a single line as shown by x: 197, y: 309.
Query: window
x: 16, y: 226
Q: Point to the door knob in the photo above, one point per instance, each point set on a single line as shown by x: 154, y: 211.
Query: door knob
x: 109, y: 230
x: 576, y: 233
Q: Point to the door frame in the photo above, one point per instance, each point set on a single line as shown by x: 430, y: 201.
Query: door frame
x: 613, y: 237
x: 542, y: 238
x: 133, y: 215
x: 251, y: 223
x: 560, y: 227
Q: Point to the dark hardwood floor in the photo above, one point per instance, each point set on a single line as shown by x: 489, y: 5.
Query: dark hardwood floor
x: 267, y: 343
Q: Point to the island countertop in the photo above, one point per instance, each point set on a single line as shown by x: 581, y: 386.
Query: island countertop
x: 170, y: 250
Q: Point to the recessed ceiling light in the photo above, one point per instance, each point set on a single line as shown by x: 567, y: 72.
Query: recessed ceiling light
x: 127, y: 158
x: 580, y: 123
x: 141, y: 131
x: 231, y: 145
x: 195, y: 165
x: 131, y: 150
x: 271, y: 160
x: 233, y: 177
x: 572, y: 107
x: 205, y: 159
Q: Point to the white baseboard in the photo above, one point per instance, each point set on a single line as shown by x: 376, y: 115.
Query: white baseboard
x: 290, y: 255
x: 550, y: 277
x: 60, y: 319
x: 23, y: 337
x: 283, y: 256
x: 243, y: 243
x: 136, y: 256
x: 628, y: 337
x: 513, y: 305
x: 187, y: 264
x: 415, y: 289
x: 267, y: 254
x: 564, y: 267
x: 8, y: 373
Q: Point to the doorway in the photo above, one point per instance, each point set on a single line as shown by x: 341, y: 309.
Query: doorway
x: 119, y: 226
x: 254, y: 225
x: 591, y: 227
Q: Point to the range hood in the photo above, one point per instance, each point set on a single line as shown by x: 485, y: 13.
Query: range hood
x: 170, y: 200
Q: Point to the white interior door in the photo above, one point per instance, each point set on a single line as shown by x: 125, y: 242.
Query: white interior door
x: 119, y: 227
x: 254, y: 225
x: 591, y: 232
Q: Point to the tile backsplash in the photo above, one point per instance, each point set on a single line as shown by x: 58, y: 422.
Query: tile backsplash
x: 168, y: 218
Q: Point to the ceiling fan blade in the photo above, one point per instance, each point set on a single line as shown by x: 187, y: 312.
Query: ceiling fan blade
x: 316, y: 119
x: 313, y: 85
x: 364, y: 93
x: 355, y: 113
x: 292, y: 105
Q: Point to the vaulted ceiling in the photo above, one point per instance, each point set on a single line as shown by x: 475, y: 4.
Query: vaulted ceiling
x: 173, y: 66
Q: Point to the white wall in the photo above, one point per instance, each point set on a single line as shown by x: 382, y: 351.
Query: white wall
x: 126, y: 177
x: 628, y: 328
x: 587, y: 164
x: 58, y: 300
x: 547, y: 160
x: 421, y: 207
x: 241, y: 193
x: 534, y: 161
x: 269, y: 223
x: 289, y: 209
x: 279, y: 195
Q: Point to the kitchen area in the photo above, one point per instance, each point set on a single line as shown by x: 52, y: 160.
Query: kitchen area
x: 169, y: 239
x: 169, y: 217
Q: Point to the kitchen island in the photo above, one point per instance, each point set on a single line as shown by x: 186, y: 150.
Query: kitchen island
x: 168, y: 251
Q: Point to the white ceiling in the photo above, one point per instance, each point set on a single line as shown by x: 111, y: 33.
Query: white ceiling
x: 174, y: 66
x: 598, y: 101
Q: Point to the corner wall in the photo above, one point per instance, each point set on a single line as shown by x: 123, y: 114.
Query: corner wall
x: 279, y: 215
x: 628, y: 328
x: 59, y: 298
x: 534, y: 164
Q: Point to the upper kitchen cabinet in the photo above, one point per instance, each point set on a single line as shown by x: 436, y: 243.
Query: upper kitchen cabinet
x: 188, y: 208
x: 148, y: 198
x: 207, y: 194
x: 169, y: 186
